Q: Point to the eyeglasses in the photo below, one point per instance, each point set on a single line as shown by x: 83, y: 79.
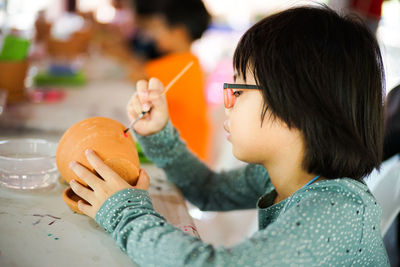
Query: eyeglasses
x: 230, y: 96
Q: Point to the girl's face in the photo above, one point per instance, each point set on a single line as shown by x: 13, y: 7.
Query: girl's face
x: 254, y: 141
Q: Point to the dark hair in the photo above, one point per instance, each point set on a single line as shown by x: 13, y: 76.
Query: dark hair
x: 191, y: 14
x: 322, y: 74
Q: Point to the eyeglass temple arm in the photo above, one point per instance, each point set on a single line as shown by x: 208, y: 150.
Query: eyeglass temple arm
x: 239, y: 86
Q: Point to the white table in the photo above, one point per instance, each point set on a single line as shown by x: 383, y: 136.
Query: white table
x: 39, y: 229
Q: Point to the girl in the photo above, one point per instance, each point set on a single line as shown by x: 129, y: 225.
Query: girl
x: 306, y: 113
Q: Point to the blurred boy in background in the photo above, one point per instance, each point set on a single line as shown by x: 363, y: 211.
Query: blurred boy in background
x: 174, y: 25
x: 161, y: 47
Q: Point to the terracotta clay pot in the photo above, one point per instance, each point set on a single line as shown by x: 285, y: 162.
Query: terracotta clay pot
x: 12, y: 79
x: 77, y: 44
x: 104, y: 136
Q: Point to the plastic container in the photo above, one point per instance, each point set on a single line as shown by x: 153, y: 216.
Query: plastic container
x: 28, y: 164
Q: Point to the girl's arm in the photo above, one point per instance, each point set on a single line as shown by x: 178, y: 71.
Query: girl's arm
x: 310, y: 233
x: 331, y: 222
x: 208, y: 190
x: 149, y: 240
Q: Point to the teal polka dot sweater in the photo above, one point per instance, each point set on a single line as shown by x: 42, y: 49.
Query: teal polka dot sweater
x: 329, y: 223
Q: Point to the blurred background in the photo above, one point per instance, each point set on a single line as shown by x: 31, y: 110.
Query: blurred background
x: 62, y: 61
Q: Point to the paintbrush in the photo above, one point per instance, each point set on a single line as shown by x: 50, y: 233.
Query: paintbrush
x: 171, y: 83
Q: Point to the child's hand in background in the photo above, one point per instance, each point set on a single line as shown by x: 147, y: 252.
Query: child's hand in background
x: 102, y: 189
x: 148, y: 96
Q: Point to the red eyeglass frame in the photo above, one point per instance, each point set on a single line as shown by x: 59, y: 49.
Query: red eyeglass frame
x: 229, y: 97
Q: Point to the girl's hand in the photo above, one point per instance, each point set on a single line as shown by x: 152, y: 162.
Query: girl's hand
x: 149, y: 95
x: 103, y: 188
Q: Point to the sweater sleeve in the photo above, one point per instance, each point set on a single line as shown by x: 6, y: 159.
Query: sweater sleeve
x: 296, y: 238
x: 150, y: 241
x: 208, y: 190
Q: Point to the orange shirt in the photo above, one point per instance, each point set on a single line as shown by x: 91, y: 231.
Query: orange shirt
x: 186, y: 100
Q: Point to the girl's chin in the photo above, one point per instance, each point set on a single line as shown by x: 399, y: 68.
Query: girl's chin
x: 243, y: 155
x: 239, y: 154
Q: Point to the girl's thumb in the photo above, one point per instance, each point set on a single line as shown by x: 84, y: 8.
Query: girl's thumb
x: 156, y: 86
x: 156, y: 90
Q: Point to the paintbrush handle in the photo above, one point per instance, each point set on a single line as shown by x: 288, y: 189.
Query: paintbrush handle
x: 138, y: 118
x: 177, y: 77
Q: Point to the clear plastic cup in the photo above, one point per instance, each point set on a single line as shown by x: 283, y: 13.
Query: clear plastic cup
x: 28, y: 164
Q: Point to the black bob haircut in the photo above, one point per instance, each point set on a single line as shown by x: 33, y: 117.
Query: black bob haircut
x: 191, y: 14
x: 322, y: 74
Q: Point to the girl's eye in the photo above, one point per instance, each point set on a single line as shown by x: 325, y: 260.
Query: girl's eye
x: 237, y: 93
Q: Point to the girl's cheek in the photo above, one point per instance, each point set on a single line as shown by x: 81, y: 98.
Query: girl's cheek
x: 238, y: 125
x: 244, y: 117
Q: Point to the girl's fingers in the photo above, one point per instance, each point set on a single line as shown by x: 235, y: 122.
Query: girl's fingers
x: 134, y: 107
x: 156, y: 89
x: 143, y: 180
x: 156, y: 86
x: 87, y: 176
x: 142, y: 85
x: 86, y: 209
x: 150, y: 94
x: 142, y: 88
x: 82, y: 191
x: 100, y: 167
x: 149, y: 98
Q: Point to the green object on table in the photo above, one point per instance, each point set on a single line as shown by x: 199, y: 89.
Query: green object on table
x: 47, y: 79
x: 142, y: 157
x: 14, y: 49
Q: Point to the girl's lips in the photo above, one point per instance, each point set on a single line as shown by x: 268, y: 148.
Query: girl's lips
x: 226, y: 126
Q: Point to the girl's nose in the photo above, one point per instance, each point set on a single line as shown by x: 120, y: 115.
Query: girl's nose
x: 227, y: 110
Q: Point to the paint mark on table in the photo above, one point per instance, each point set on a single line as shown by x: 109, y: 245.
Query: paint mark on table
x: 49, y: 215
x: 159, y: 180
x: 43, y: 216
x: 55, y: 238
